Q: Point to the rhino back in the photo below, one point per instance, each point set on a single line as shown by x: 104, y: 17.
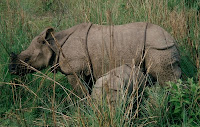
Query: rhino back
x: 112, y: 46
x: 158, y: 38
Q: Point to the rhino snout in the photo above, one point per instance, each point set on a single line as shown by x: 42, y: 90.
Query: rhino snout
x: 18, y: 69
x: 12, y: 69
x: 15, y: 66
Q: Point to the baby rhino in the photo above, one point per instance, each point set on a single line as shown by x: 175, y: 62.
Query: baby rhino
x: 118, y: 83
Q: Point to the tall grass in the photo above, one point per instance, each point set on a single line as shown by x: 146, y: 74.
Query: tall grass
x: 37, y: 100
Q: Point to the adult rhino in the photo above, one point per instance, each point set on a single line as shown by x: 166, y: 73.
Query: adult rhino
x: 89, y: 49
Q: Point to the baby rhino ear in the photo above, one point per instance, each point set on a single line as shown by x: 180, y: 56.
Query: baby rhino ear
x: 46, y: 34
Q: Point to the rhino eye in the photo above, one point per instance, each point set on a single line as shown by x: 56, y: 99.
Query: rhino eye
x: 27, y: 59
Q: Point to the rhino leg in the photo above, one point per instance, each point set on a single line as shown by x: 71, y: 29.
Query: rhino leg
x: 86, y: 82
x: 76, y: 87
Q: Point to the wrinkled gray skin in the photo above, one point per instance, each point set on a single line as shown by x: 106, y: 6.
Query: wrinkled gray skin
x: 88, y: 48
x: 118, y: 83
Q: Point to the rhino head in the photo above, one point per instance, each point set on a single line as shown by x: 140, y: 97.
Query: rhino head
x: 38, y: 55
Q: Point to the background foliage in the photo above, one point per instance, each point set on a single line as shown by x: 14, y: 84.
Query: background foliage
x: 34, y: 100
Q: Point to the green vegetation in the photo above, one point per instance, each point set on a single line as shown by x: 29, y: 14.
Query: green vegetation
x: 35, y: 100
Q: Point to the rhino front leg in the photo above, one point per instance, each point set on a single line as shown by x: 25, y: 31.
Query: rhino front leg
x: 76, y: 86
x: 81, y: 85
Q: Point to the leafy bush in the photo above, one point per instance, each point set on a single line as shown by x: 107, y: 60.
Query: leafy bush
x: 176, y: 105
x: 184, y: 103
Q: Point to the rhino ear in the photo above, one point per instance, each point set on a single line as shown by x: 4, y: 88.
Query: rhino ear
x: 46, y: 34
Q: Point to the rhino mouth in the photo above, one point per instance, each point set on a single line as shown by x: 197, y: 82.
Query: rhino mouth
x: 16, y: 67
x: 19, y: 69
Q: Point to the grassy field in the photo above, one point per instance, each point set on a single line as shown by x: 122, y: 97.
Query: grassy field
x: 35, y: 100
